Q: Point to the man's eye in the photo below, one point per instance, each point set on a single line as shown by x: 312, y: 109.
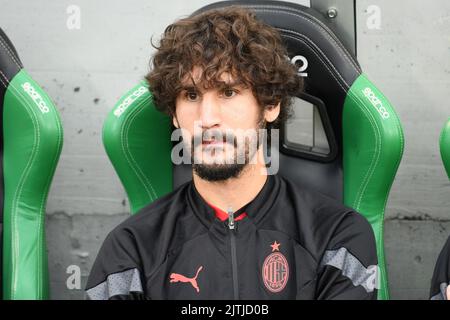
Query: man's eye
x: 191, y: 96
x: 229, y: 93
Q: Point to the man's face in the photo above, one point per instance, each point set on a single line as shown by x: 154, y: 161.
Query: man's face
x: 220, y: 126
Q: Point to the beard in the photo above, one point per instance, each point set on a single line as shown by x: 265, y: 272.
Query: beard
x: 223, y: 171
x: 217, y: 172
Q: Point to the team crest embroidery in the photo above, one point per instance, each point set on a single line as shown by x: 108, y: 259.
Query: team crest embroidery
x: 275, y: 270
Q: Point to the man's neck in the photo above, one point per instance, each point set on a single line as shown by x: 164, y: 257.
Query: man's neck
x: 235, y: 192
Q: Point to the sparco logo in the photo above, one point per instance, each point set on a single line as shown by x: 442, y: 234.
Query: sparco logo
x: 129, y: 100
x: 376, y: 102
x: 28, y: 88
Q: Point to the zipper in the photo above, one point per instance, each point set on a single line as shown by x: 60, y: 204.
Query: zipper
x: 231, y: 227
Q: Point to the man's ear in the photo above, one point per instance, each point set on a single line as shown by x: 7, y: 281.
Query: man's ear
x: 175, y: 121
x: 272, y: 112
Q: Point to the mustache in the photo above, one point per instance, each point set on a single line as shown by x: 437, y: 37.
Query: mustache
x: 211, y: 134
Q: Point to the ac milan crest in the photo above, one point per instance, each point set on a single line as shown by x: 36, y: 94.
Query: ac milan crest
x: 275, y: 270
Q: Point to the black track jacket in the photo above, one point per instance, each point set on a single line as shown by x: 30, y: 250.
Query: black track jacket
x: 287, y: 243
x: 441, y: 275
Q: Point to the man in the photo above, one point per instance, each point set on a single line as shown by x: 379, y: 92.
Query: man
x: 233, y: 232
x: 440, y: 284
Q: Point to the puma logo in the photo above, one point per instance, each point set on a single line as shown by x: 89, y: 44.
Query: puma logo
x: 176, y: 277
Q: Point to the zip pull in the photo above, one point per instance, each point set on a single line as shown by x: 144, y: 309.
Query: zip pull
x: 230, y: 218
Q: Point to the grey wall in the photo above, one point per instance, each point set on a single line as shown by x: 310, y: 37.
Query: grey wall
x: 85, y: 71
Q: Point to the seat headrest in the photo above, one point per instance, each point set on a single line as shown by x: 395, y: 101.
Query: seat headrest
x: 330, y: 68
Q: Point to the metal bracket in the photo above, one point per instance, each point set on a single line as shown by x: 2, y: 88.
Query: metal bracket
x: 342, y: 16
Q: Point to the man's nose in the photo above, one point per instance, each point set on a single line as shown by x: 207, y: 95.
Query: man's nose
x: 209, y: 111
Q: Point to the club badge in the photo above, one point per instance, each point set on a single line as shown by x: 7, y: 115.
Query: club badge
x: 275, y: 270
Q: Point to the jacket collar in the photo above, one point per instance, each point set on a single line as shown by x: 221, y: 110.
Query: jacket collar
x: 255, y: 209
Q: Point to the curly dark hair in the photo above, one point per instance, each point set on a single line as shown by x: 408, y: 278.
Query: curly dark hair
x: 230, y: 40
